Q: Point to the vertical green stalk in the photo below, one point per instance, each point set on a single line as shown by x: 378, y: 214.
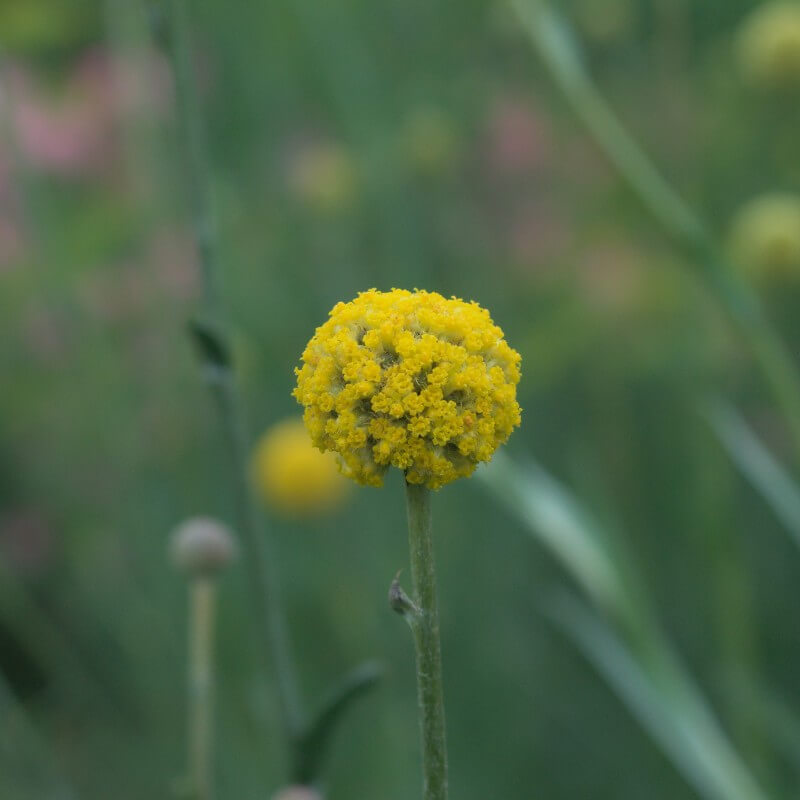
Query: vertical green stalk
x: 259, y: 562
x: 202, y: 596
x: 425, y: 627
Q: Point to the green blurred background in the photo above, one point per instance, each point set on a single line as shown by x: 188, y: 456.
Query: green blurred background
x: 356, y: 144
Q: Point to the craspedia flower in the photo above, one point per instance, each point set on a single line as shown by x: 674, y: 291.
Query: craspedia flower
x: 411, y: 380
x: 769, y: 45
x: 765, y: 236
x: 291, y: 475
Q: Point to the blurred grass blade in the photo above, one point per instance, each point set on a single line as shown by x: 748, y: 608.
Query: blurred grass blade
x: 311, y: 746
x: 757, y: 464
x: 561, y: 525
x: 650, y: 678
x: 666, y: 702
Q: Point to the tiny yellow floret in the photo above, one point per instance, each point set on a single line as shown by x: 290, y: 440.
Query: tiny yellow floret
x: 765, y: 236
x: 412, y: 380
x: 769, y: 45
x: 292, y: 476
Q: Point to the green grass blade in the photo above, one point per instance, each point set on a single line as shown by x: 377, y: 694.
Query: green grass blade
x: 664, y: 699
x: 559, y: 522
x: 757, y: 464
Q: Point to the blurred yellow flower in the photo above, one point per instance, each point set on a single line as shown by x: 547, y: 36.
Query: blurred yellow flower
x: 412, y: 380
x: 292, y: 476
x: 323, y: 176
x: 765, y: 236
x: 430, y: 141
x: 769, y: 45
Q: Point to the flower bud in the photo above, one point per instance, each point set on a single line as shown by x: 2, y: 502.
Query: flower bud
x: 202, y: 546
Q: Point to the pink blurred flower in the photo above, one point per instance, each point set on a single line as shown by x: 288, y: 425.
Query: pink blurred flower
x: 66, y: 133
x: 518, y: 138
x: 74, y: 129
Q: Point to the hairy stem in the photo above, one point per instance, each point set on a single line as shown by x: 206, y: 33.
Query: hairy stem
x: 260, y: 564
x: 425, y: 627
x: 202, y: 593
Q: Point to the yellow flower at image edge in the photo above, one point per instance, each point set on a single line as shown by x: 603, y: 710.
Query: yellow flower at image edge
x: 411, y: 380
x: 291, y: 475
x: 765, y: 236
x: 769, y: 44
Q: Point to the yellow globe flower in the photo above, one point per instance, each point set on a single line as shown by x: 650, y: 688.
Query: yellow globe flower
x: 769, y: 45
x: 411, y: 380
x: 765, y: 236
x: 292, y: 476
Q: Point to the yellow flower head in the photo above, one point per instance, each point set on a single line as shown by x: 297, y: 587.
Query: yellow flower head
x: 412, y: 380
x: 292, y: 476
x: 765, y: 236
x: 769, y: 45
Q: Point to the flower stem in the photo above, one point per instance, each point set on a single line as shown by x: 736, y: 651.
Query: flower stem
x: 259, y: 561
x: 425, y: 627
x: 202, y: 593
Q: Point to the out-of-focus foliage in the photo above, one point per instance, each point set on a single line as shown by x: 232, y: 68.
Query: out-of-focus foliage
x: 357, y: 145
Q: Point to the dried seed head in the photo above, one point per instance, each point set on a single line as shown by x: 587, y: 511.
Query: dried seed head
x: 202, y: 546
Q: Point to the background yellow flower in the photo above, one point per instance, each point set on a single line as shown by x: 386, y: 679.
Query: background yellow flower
x: 292, y: 476
x: 765, y: 236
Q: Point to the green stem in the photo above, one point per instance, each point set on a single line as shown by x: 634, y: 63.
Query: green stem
x: 260, y: 562
x: 258, y: 558
x: 560, y: 53
x: 202, y: 593
x: 425, y: 627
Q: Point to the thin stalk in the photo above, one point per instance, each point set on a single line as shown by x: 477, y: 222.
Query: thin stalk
x: 425, y: 626
x: 260, y: 563
x: 202, y: 596
x: 560, y: 54
x: 258, y: 558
